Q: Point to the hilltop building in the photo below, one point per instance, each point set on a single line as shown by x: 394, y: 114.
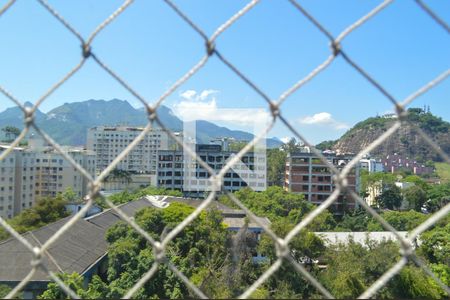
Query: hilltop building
x: 397, y: 162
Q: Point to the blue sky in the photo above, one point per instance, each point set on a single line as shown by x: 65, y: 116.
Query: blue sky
x: 274, y: 45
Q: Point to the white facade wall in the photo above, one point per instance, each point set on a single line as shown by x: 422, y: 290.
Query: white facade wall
x: 371, y: 165
x: 109, y: 142
x: 404, y: 185
x: 25, y: 169
x: 7, y: 183
x: 27, y: 175
x: 171, y: 169
x: 55, y: 174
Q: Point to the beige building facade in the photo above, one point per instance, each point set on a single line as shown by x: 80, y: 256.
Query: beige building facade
x: 109, y: 142
x: 37, y: 171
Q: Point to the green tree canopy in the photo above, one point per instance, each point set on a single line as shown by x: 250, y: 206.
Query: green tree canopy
x: 415, y: 196
x: 277, y: 204
x: 438, y: 195
x: 435, y: 243
x: 45, y: 211
x: 11, y: 133
x: 352, y: 268
x: 276, y: 164
x: 356, y: 220
x: 292, y: 146
x: 368, y: 179
x: 400, y: 220
x: 326, y: 145
x: 390, y: 198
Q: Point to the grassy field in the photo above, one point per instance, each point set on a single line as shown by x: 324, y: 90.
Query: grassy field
x: 443, y: 171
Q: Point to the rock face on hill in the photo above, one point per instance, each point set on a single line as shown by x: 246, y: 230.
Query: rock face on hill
x: 405, y: 140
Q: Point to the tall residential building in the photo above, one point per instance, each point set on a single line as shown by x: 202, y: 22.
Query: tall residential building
x: 109, y: 142
x: 305, y: 173
x: 54, y: 174
x: 28, y: 174
x: 8, y: 180
x: 172, y: 167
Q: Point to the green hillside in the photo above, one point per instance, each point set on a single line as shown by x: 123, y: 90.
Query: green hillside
x: 405, y: 140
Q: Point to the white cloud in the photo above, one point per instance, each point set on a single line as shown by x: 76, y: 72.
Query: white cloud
x: 188, y: 95
x: 204, y: 94
x: 203, y: 106
x: 192, y: 95
x: 325, y: 119
x: 286, y: 139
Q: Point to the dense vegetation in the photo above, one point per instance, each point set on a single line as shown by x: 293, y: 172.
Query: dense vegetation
x: 45, y: 211
x: 220, y: 262
x: 352, y: 268
x: 443, y: 171
x: 325, y: 145
x: 10, y: 133
x: 282, y: 207
x: 425, y: 120
x: 420, y: 195
x: 276, y: 164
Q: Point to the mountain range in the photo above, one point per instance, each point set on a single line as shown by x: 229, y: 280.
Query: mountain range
x: 68, y: 123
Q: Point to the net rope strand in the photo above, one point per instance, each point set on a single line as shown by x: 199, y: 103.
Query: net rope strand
x: 275, y: 106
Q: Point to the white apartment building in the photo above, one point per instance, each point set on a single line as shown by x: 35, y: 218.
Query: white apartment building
x: 371, y: 165
x: 173, y: 166
x: 28, y: 174
x: 7, y: 183
x: 109, y: 142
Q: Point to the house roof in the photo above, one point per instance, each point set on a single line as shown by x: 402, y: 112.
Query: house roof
x: 83, y: 244
x: 334, y: 238
x: 75, y: 251
x: 233, y: 218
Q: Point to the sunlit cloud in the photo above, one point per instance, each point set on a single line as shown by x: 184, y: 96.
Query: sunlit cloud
x: 323, y: 119
x: 203, y: 106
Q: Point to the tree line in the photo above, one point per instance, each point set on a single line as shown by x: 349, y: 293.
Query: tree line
x: 220, y: 262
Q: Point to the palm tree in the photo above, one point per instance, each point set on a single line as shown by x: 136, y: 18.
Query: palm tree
x: 119, y: 175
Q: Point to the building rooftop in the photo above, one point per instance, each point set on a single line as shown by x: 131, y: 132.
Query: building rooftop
x: 233, y: 218
x: 7, y: 146
x: 75, y: 251
x: 334, y: 238
x: 324, y: 153
x: 84, y: 244
x: 122, y: 128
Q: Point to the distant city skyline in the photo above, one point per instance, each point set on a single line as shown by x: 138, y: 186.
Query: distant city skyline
x: 274, y: 45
